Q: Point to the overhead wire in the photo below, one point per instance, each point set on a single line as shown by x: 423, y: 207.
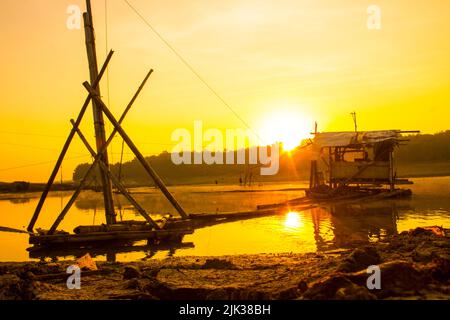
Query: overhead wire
x: 40, y: 163
x: 192, y: 69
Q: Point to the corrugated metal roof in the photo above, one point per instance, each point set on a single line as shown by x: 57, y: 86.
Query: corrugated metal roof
x: 343, y: 139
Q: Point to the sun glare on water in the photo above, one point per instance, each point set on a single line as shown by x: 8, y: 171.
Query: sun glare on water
x: 286, y: 127
x: 293, y: 220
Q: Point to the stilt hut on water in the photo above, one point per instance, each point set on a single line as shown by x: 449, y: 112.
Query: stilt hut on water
x: 362, y: 159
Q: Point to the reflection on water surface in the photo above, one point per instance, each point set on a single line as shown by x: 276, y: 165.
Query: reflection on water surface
x: 319, y: 229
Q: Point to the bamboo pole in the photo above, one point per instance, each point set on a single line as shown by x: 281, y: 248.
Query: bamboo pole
x: 152, y: 173
x: 96, y: 159
x: 72, y: 199
x: 115, y: 181
x: 66, y: 147
x: 99, y: 124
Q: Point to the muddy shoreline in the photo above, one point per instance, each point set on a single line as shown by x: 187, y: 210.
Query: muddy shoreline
x: 414, y: 265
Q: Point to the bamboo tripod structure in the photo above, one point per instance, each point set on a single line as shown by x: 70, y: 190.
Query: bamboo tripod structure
x: 100, y: 155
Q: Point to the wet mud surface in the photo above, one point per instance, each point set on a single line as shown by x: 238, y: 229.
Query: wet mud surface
x: 413, y: 265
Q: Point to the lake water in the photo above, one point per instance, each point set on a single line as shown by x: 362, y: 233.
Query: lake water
x: 320, y: 229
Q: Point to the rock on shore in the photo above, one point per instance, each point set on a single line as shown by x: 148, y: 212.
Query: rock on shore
x: 414, y: 265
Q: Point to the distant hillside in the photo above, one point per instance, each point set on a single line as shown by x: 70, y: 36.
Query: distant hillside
x: 425, y: 147
x: 295, y: 165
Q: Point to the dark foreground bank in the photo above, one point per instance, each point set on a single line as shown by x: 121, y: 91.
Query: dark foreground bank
x: 413, y: 265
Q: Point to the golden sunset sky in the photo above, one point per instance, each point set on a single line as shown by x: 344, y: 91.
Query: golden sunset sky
x: 295, y: 60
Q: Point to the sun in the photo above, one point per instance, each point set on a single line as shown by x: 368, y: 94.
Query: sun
x: 287, y: 127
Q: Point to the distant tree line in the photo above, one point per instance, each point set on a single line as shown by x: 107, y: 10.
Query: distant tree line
x: 293, y: 165
x: 425, y: 147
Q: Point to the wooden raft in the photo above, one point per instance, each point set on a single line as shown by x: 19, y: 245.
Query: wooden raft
x: 153, y: 236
